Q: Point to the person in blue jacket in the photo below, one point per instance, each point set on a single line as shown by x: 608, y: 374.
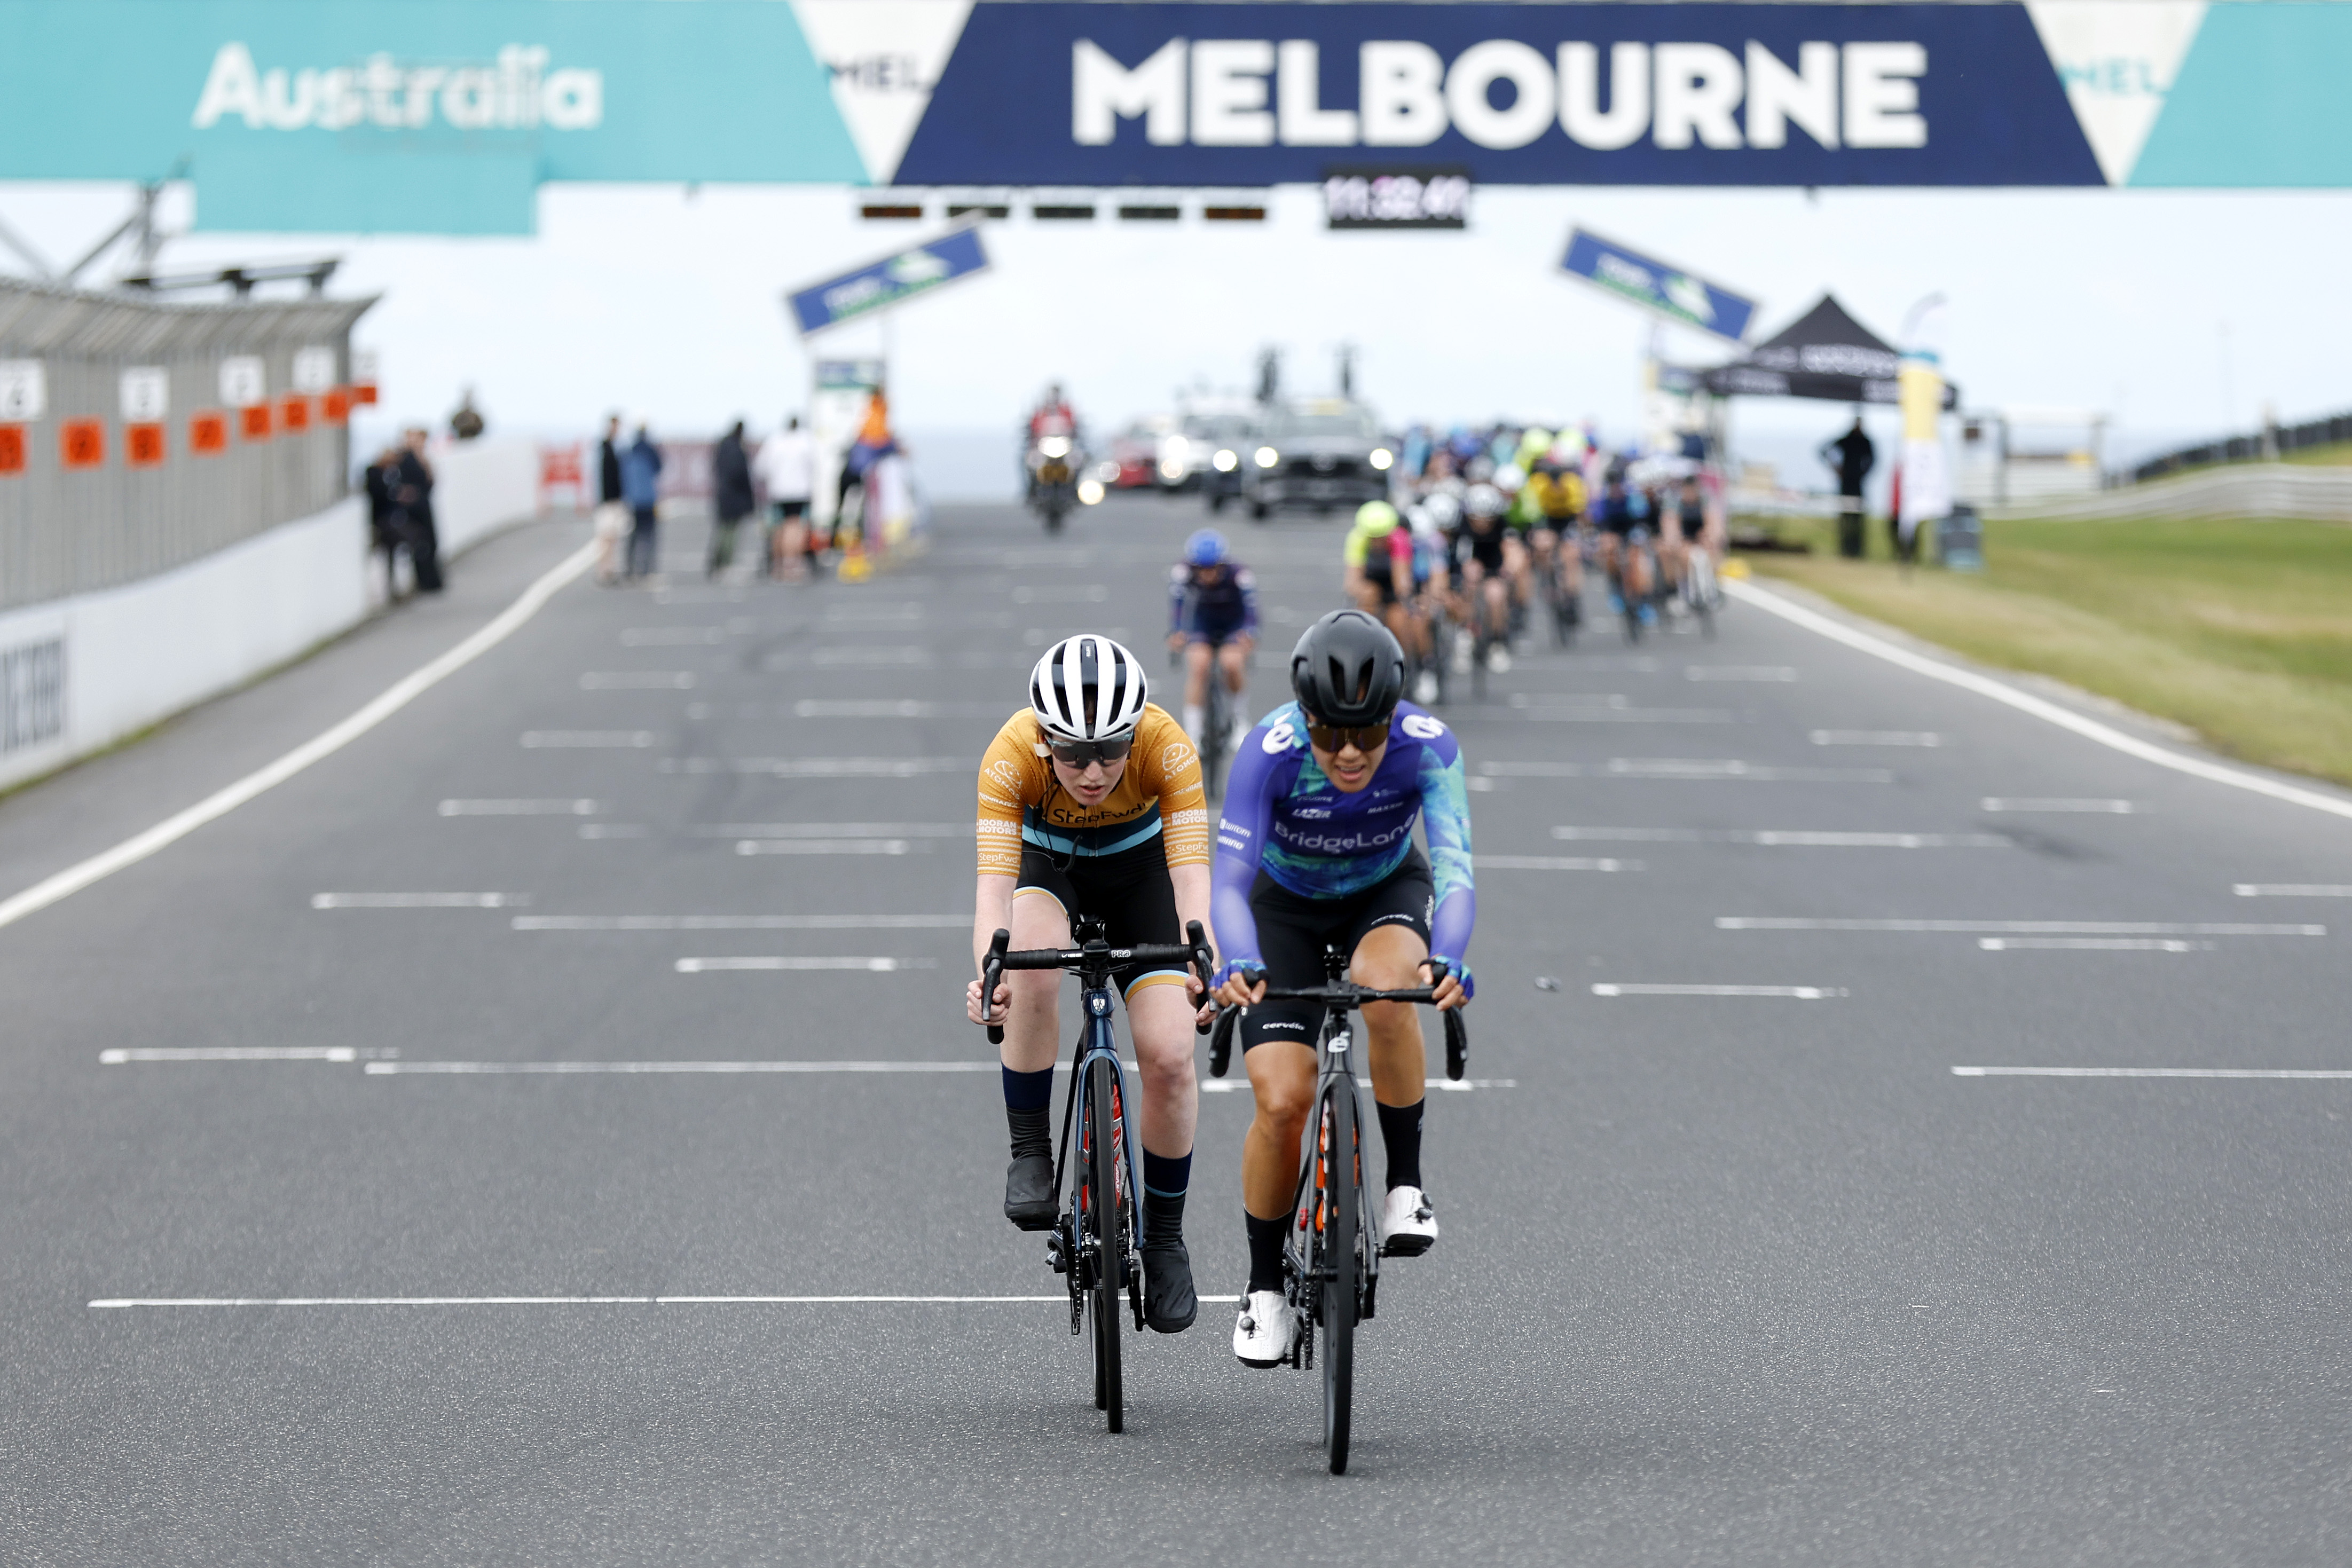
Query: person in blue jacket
x: 1315, y: 846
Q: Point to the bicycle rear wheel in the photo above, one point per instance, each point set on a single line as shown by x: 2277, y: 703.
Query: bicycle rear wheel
x: 1106, y: 1236
x: 1342, y: 1270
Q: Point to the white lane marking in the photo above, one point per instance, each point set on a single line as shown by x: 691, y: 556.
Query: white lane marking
x: 2039, y: 708
x: 1685, y: 769
x: 2020, y: 927
x: 828, y: 707
x: 612, y: 830
x: 798, y: 964
x: 641, y: 1069
x: 741, y: 922
x: 1092, y: 594
x: 1626, y: 715
x: 1768, y: 672
x: 586, y: 740
x: 518, y: 808
x: 116, y: 1303
x: 881, y: 657
x: 1549, y: 862
x: 221, y: 802
x: 822, y: 847
x: 820, y: 767
x: 1797, y: 993
x: 2092, y: 944
x: 671, y: 636
x: 419, y: 900
x: 2274, y: 1072
x: 836, y: 831
x: 1241, y: 1086
x: 1786, y: 837
x: 2057, y: 803
x: 119, y: 1057
x: 638, y: 681
x: 2292, y: 889
x: 1571, y: 699
x: 1926, y: 737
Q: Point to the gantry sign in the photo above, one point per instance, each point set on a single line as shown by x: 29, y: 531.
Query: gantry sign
x: 447, y: 115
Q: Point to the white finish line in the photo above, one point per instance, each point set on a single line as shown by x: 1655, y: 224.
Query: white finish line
x: 2105, y: 734
x: 2017, y: 927
x: 2262, y: 1072
x: 1678, y: 768
x: 742, y: 923
x: 2091, y: 945
x: 823, y: 847
x: 1549, y: 862
x: 1792, y: 993
x: 221, y: 802
x: 634, y: 1069
x: 417, y: 900
x: 821, y: 767
x: 869, y: 965
x: 1785, y: 838
x: 114, y: 1303
x: 2292, y: 889
x: 123, y: 1056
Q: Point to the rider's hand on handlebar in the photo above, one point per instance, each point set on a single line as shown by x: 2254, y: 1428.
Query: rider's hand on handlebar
x: 1244, y: 986
x: 1449, y: 989
x: 972, y: 1002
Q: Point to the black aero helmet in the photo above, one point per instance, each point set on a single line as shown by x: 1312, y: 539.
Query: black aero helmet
x: 1348, y: 669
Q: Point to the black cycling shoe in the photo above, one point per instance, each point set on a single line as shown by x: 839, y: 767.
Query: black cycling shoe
x: 1029, y: 1192
x: 1169, y: 1304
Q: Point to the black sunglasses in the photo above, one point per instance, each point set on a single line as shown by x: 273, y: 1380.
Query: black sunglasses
x: 1079, y: 753
x: 1337, y: 737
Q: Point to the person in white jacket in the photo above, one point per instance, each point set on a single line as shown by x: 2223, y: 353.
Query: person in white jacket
x: 787, y: 471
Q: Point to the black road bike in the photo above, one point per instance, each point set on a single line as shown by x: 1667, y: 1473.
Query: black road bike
x: 1331, y: 1263
x: 1095, y: 1243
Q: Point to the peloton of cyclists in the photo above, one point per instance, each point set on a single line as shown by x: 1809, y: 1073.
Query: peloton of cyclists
x: 1090, y: 804
x: 1315, y: 846
x: 1212, y: 617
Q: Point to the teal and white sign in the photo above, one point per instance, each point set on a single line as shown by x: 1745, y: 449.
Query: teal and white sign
x: 446, y: 116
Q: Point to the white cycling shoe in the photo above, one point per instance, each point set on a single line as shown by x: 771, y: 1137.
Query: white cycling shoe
x: 1408, y: 1223
x: 1266, y: 1329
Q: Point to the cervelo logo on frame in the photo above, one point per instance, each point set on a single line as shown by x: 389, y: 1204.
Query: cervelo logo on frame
x: 514, y: 92
x: 1260, y: 92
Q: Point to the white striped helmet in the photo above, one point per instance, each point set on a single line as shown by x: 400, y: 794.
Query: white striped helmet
x: 1087, y: 688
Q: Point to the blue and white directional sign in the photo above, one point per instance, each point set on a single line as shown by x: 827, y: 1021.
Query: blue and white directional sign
x: 1656, y: 287
x: 893, y: 280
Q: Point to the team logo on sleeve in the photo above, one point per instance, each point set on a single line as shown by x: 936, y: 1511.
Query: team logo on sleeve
x: 1006, y: 774
x: 1421, y: 727
x: 1277, y: 739
x: 1172, y: 760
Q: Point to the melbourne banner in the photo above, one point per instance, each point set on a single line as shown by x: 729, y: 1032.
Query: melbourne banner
x: 447, y: 115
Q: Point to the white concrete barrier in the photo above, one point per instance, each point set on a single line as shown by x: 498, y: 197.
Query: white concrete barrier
x: 481, y: 486
x: 2230, y: 490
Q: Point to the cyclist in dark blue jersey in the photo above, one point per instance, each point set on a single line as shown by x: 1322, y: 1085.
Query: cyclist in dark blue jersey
x: 1211, y: 615
x: 1315, y: 847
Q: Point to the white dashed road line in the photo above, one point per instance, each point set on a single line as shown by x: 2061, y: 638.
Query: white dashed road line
x: 2259, y: 1072
x: 1550, y: 863
x: 742, y: 921
x: 123, y: 1057
x: 2092, y: 944
x: 1793, y: 993
x: 2018, y: 927
x: 801, y: 965
x: 585, y: 739
x: 1785, y: 838
x: 2293, y: 889
x: 518, y: 808
x: 2033, y: 803
x: 1925, y: 738
x: 419, y: 900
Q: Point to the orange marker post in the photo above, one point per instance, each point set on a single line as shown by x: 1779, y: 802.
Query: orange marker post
x: 207, y: 432
x: 253, y: 423
x: 81, y: 444
x: 294, y: 413
x: 335, y: 408
x: 12, y: 449
x: 143, y: 445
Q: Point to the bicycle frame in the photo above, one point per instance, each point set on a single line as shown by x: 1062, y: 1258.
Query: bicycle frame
x: 1336, y: 1075
x: 1098, y: 1040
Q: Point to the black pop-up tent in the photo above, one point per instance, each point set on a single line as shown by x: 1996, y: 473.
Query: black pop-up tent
x: 1825, y: 354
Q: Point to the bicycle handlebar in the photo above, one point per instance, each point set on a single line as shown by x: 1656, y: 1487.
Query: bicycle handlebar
x: 1457, y: 1030
x: 1194, y: 956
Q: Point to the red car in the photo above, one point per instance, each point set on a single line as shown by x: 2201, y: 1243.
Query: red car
x: 1134, y: 459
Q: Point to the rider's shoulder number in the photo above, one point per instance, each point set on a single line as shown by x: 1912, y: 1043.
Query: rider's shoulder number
x: 1421, y: 727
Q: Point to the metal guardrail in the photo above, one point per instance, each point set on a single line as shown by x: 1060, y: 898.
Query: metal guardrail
x: 68, y: 530
x: 2271, y: 444
x: 2308, y: 491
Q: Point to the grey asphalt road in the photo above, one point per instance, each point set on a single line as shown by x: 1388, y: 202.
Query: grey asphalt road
x: 1726, y: 1278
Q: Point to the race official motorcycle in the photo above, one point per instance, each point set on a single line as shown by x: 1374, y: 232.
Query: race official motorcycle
x: 1054, y: 478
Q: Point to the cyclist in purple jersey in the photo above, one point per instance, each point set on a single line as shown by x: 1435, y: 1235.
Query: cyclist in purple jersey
x: 1315, y: 847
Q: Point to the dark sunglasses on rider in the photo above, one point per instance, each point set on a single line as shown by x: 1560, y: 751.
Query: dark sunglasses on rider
x: 1336, y: 738
x: 1079, y: 753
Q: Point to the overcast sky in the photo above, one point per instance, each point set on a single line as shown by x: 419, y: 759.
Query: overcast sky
x: 2176, y: 313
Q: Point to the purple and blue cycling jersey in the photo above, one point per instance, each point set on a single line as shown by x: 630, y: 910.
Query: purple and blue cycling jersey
x: 1284, y: 816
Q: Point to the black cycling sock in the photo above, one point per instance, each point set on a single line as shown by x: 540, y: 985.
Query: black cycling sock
x: 1027, y: 1091
x: 1165, y: 1179
x: 1401, y: 1131
x: 1033, y: 1132
x: 1265, y: 1238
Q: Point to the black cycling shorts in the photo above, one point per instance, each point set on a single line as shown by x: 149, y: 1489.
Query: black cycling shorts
x: 1292, y: 931
x: 1130, y: 892
x: 1486, y: 550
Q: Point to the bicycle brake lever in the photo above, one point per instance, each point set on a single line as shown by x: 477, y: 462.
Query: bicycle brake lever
x: 1220, y: 1042
x: 1202, y: 962
x: 991, y: 972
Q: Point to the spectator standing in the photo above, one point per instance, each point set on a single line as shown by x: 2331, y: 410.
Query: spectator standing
x: 466, y: 424
x: 612, y: 510
x: 414, y: 496
x: 788, y: 473
x: 641, y: 468
x: 1856, y: 456
x: 383, y: 479
x: 731, y: 486
x: 873, y: 443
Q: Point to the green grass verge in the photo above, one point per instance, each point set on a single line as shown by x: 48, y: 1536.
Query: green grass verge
x: 2240, y: 628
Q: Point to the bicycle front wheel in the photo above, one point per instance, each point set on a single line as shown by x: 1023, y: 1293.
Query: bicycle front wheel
x: 1106, y: 1234
x: 1342, y: 1184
